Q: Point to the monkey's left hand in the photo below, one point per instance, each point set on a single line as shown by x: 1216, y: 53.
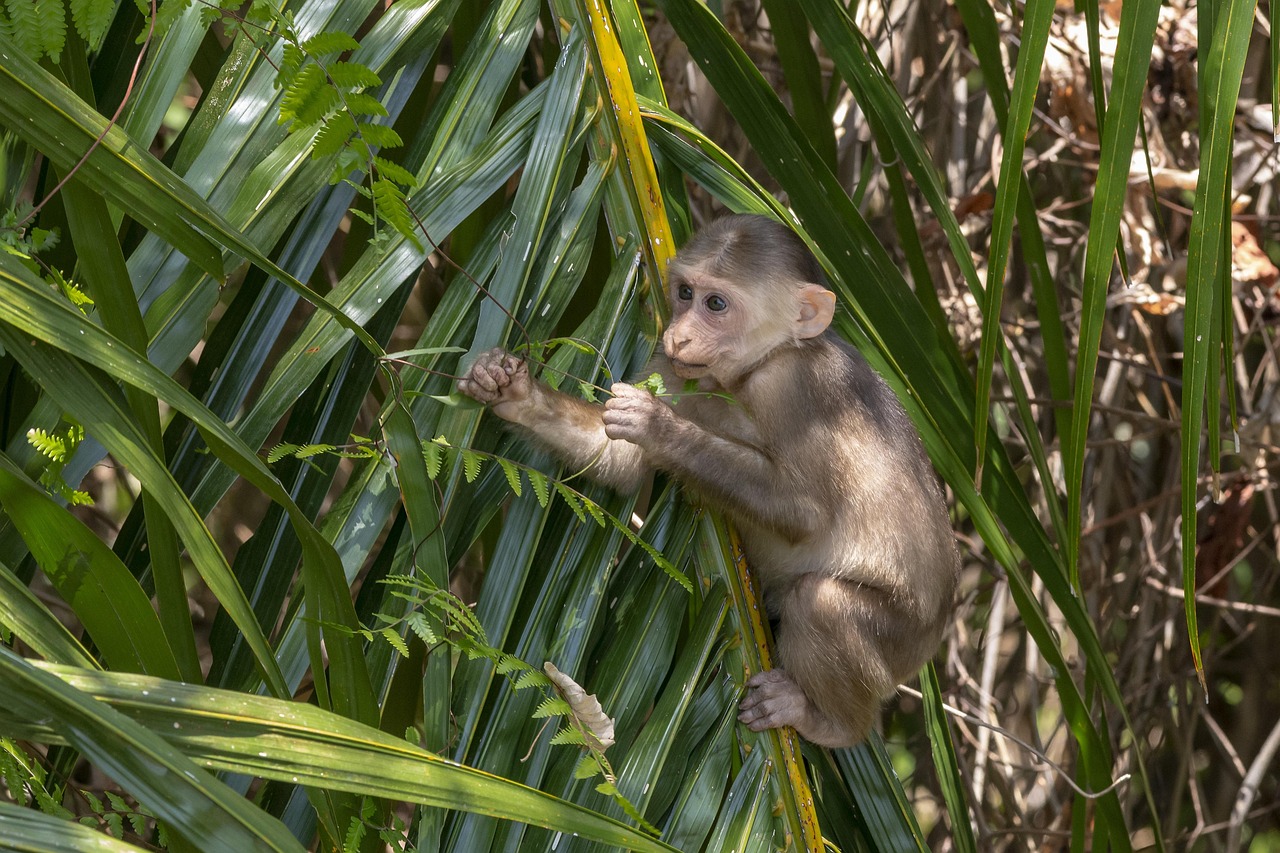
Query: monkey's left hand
x: 635, y: 415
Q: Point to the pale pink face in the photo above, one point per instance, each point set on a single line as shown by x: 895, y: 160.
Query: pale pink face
x: 721, y: 329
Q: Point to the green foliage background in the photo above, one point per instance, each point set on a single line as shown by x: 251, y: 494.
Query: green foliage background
x: 259, y: 648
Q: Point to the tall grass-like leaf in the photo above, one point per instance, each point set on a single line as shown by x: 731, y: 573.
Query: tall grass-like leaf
x: 889, y: 818
x: 193, y: 803
x: 984, y: 37
x: 30, y: 620
x: 101, y: 592
x: 1133, y: 56
x: 640, y: 188
x: 804, y: 78
x: 41, y: 110
x: 29, y: 830
x: 323, y: 577
x: 251, y: 734
x: 1026, y: 80
x: 944, y: 759
x: 1206, y: 274
x: 103, y: 267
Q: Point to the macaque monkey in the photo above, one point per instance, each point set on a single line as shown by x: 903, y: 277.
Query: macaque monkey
x: 801, y: 445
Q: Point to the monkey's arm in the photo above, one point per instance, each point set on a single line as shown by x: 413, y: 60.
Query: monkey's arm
x: 570, y: 428
x: 734, y: 475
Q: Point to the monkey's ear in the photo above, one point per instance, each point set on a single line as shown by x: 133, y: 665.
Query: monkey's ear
x: 817, y: 308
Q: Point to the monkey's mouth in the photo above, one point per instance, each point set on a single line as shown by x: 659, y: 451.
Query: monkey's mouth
x: 683, y: 367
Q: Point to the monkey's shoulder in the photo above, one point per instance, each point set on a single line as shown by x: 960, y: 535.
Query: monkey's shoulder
x: 829, y: 382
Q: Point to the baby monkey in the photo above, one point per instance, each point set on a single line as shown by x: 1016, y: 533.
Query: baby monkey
x: 801, y: 445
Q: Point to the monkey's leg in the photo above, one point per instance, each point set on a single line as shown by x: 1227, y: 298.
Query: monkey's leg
x: 833, y: 672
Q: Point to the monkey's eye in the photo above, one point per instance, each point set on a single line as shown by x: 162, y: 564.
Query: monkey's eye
x: 684, y: 292
x: 716, y: 303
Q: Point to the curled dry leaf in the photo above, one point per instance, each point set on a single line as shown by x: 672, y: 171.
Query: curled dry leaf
x: 586, y: 708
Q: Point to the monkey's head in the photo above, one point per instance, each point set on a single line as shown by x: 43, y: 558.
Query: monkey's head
x: 740, y: 289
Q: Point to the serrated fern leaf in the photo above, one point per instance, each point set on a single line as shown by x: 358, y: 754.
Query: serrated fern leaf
x: 352, y: 75
x: 471, y: 462
x: 538, y: 481
x: 425, y: 631
x: 25, y: 24
x: 334, y: 136
x: 552, y: 706
x: 308, y: 98
x: 309, y: 450
x: 364, y: 104
x: 390, y: 203
x: 48, y: 444
x: 569, y: 736
x: 531, y: 678
x: 507, y: 664
x: 433, y: 455
x: 594, y: 509
x: 588, y: 767
x: 380, y: 135
x: 572, y: 499
x: 52, y: 16
x: 280, y: 451
x: 395, y: 640
x: 290, y: 64
x: 91, y: 19
x: 329, y: 42
x: 395, y: 172
x: 513, y: 475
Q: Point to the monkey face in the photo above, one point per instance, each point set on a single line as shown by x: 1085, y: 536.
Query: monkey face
x: 711, y: 318
x: 722, y: 329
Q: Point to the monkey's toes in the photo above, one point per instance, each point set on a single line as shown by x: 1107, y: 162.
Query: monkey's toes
x: 773, y: 700
x: 769, y: 676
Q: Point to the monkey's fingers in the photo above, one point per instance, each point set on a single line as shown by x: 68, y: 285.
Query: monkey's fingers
x: 486, y: 379
x: 627, y: 391
x: 773, y: 700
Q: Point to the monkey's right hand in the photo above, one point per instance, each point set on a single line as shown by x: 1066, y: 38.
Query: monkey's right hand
x: 499, y: 379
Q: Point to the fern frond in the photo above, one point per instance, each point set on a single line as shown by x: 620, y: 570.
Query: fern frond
x: 334, y: 136
x: 379, y: 135
x: 531, y: 678
x: 594, y: 510
x: 395, y: 172
x: 329, y: 42
x: 422, y: 628
x: 25, y: 24
x: 391, y: 205
x: 290, y: 64
x: 280, y: 451
x: 91, y: 19
x: 352, y: 75
x: 569, y: 736
x: 513, y: 475
x: 552, y: 706
x: 395, y: 640
x: 538, y: 481
x: 308, y: 99
x: 572, y: 498
x: 364, y: 104
x: 433, y: 455
x: 309, y: 450
x: 471, y: 462
x: 53, y: 27
x: 48, y: 444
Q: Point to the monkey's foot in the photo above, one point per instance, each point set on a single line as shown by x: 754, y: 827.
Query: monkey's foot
x: 775, y: 700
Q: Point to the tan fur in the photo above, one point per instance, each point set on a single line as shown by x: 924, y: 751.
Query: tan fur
x: 814, y: 460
